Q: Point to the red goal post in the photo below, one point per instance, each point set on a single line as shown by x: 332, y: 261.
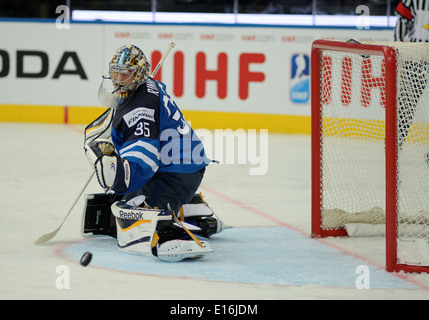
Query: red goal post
x: 349, y: 81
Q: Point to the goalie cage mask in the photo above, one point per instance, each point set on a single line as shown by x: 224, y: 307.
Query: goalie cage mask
x: 128, y: 69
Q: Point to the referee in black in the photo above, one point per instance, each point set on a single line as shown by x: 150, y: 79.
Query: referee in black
x: 412, y: 26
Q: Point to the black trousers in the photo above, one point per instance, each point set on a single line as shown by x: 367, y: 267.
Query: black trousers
x: 169, y: 188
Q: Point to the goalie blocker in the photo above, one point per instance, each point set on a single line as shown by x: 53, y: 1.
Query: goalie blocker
x: 151, y: 231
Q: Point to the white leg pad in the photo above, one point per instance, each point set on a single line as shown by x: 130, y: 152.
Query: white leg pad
x: 138, y: 227
x: 197, y: 210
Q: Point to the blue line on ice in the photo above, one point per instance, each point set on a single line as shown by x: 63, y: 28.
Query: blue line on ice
x: 262, y: 255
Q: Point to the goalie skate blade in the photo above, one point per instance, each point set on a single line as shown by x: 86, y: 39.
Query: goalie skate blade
x: 221, y: 226
x: 178, y: 250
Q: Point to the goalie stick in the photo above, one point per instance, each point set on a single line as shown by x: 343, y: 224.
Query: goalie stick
x: 46, y: 237
x: 108, y: 119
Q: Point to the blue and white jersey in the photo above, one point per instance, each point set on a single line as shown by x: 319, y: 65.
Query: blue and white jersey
x: 152, y: 134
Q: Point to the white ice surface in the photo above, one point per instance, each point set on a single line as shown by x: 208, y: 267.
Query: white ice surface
x: 43, y: 167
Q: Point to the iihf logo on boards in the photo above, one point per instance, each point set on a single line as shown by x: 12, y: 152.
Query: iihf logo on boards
x: 300, y: 78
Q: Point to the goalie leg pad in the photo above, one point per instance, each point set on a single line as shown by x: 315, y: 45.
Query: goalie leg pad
x: 136, y: 226
x: 197, y: 207
x: 153, y: 232
x: 198, y: 213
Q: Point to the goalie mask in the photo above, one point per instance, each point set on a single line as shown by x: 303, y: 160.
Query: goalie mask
x: 128, y: 69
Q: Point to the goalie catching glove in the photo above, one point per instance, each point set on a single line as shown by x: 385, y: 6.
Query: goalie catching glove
x: 113, y: 172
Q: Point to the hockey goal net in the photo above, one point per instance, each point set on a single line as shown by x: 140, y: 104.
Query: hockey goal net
x: 370, y: 146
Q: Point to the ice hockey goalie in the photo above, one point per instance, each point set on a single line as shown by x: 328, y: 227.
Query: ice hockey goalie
x: 150, y: 163
x: 148, y: 231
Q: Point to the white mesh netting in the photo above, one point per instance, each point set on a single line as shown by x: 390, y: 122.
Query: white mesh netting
x: 352, y: 106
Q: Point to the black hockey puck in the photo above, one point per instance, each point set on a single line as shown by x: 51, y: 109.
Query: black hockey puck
x: 86, y: 258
